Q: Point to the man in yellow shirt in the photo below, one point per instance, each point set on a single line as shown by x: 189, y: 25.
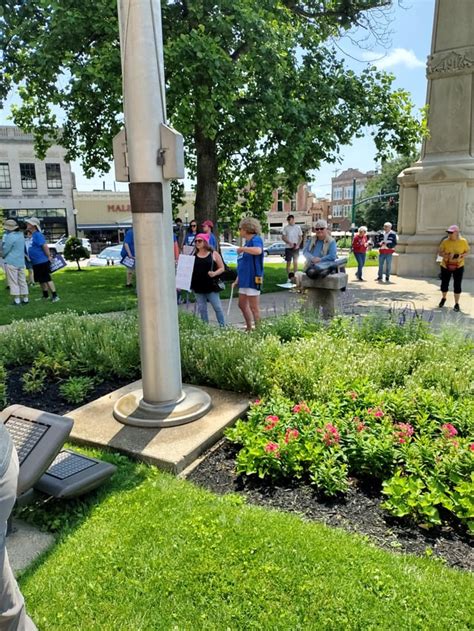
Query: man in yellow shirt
x: 452, y: 249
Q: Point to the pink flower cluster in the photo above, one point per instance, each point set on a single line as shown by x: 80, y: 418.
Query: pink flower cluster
x: 471, y: 446
x: 272, y: 420
x: 273, y: 448
x: 290, y: 434
x: 376, y: 412
x: 301, y: 407
x: 330, y: 435
x: 449, y: 431
x: 360, y: 425
x: 403, y: 431
x: 353, y: 395
x: 257, y: 402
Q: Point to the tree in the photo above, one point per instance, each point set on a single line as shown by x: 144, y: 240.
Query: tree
x: 377, y: 212
x: 74, y: 251
x: 257, y: 92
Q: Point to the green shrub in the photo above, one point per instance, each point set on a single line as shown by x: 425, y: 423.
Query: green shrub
x: 76, y: 389
x: 34, y: 380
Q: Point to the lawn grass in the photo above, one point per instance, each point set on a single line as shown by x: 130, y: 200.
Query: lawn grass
x: 151, y: 552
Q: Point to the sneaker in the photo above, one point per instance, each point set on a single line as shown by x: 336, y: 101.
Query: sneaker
x: 442, y: 302
x: 55, y: 299
x: 379, y: 279
x: 16, y: 302
x: 456, y: 308
x: 25, y: 301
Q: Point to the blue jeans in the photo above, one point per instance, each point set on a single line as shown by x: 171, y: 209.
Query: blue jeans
x: 214, y: 299
x: 360, y: 258
x: 387, y: 259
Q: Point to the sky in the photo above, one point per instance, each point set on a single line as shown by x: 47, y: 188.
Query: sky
x: 405, y: 56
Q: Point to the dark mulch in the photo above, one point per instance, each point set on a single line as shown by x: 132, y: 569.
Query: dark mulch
x: 359, y: 511
x: 49, y: 399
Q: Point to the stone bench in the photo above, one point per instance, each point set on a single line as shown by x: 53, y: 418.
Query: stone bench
x: 323, y: 292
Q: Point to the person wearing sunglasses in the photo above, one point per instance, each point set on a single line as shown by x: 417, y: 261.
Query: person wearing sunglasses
x: 321, y: 248
x: 208, y: 266
x: 190, y: 237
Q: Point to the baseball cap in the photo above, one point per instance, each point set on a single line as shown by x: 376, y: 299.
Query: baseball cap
x: 453, y: 228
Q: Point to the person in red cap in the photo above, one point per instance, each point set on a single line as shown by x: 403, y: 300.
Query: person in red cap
x: 207, y: 227
x: 452, y: 251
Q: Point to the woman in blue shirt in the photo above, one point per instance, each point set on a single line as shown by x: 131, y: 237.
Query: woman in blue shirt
x: 128, y: 251
x: 13, y: 243
x: 40, y: 258
x: 250, y: 270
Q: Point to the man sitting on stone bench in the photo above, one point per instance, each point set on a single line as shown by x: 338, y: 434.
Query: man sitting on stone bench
x: 320, y: 248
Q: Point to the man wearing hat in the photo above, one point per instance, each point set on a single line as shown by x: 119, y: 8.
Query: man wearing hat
x: 40, y: 258
x: 452, y: 251
x: 207, y: 227
x: 13, y: 245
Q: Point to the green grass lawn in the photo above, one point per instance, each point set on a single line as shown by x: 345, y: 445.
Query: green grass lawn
x: 102, y: 290
x: 151, y: 552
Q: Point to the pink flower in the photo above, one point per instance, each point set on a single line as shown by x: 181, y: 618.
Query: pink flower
x: 300, y: 407
x: 353, y: 395
x: 376, y: 412
x: 455, y: 443
x: 403, y: 431
x: 273, y: 448
x: 360, y: 425
x: 291, y: 433
x: 272, y: 420
x: 331, y: 435
x: 449, y: 430
x: 471, y: 446
x: 257, y: 402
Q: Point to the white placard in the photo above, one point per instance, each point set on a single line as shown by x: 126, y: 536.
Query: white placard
x: 184, y: 271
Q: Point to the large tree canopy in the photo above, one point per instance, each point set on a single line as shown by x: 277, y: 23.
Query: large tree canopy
x: 254, y: 87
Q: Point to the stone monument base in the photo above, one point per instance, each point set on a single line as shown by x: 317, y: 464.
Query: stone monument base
x: 432, y: 197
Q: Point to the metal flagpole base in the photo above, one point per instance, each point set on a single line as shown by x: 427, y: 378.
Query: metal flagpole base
x: 131, y: 409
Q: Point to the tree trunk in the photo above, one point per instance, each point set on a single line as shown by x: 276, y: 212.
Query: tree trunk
x: 205, y: 206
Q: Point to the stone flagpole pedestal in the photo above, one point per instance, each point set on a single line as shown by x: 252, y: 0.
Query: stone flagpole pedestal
x: 439, y: 189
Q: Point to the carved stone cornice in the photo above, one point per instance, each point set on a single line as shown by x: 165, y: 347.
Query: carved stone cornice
x: 450, y: 63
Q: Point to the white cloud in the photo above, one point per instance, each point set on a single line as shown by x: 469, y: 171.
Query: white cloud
x: 397, y: 57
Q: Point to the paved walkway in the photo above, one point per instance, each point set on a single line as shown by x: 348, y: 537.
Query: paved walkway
x: 361, y: 297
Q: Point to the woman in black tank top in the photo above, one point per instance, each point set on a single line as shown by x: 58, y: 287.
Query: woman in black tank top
x: 208, y: 266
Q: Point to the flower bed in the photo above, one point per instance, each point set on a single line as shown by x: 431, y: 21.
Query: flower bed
x: 426, y: 466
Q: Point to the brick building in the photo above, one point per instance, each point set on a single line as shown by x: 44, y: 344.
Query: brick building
x: 341, y: 197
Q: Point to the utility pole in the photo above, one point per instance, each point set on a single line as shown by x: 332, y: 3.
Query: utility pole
x: 153, y: 155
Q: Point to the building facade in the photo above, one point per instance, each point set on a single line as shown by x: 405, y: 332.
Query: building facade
x: 103, y: 216
x: 341, y: 197
x: 32, y: 187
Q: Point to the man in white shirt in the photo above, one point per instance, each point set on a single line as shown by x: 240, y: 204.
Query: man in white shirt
x: 292, y: 236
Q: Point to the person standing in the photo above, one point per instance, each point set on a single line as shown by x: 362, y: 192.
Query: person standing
x: 207, y: 228
x: 360, y: 245
x: 13, y: 244
x: 128, y: 250
x: 208, y: 265
x: 189, y: 237
x: 453, y: 250
x: 12, y: 606
x: 180, y: 232
x: 250, y: 270
x: 292, y: 235
x: 386, y: 250
x: 40, y: 258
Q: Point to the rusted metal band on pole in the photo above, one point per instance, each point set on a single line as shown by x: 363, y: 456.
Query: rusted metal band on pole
x: 146, y: 197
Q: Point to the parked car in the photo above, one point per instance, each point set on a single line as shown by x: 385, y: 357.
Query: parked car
x: 58, y: 246
x: 110, y: 256
x: 278, y: 247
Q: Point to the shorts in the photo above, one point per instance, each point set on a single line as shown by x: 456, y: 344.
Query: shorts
x: 291, y: 253
x: 249, y: 291
x: 42, y: 272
